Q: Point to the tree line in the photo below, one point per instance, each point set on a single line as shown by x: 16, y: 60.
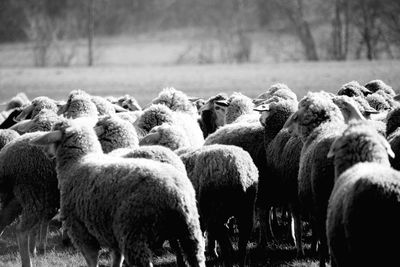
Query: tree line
x: 352, y: 29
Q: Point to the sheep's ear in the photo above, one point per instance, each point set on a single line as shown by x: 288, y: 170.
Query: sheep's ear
x: 119, y: 108
x: 388, y: 148
x: 332, y: 149
x: 371, y: 110
x: 47, y: 138
x: 261, y: 108
x: 223, y: 103
x: 206, y: 106
x: 99, y: 130
x: 150, y: 138
x: 25, y: 113
x: 22, y: 126
x: 291, y: 121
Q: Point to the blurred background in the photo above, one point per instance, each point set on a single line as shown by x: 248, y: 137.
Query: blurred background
x: 45, y: 33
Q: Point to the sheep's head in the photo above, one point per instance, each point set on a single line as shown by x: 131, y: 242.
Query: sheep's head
x: 78, y: 105
x: 166, y: 135
x: 392, y: 121
x: 279, y: 90
x: 70, y: 140
x: 114, y: 132
x: 379, y: 85
x: 313, y: 110
x: 153, y: 116
x: 213, y: 113
x: 43, y: 121
x: 129, y: 103
x: 353, y: 89
x: 359, y: 143
x: 350, y: 108
x: 175, y: 100
x: 39, y: 103
x: 276, y: 111
x: 238, y: 104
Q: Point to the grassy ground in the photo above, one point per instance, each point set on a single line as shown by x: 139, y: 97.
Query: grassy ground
x: 205, y: 80
x: 278, y: 254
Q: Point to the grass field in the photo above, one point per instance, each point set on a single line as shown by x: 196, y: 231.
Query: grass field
x: 203, y: 81
x: 196, y: 80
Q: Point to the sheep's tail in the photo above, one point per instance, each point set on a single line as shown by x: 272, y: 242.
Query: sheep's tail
x: 191, y: 238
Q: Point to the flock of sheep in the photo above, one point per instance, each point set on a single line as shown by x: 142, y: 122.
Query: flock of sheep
x: 129, y: 178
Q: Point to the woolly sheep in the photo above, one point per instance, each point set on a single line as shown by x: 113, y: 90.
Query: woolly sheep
x: 353, y: 89
x: 238, y: 105
x: 393, y: 136
x: 280, y: 90
x: 17, y: 101
x: 166, y: 135
x: 39, y: 103
x: 78, y: 105
x: 225, y: 180
x: 318, y: 122
x: 6, y: 136
x: 176, y: 101
x: 212, y: 114
x: 376, y: 85
x: 128, y: 205
x: 158, y: 114
x: 362, y: 216
x: 114, y: 133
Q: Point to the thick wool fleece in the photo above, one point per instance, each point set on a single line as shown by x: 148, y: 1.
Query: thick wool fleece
x: 155, y: 152
x: 376, y: 85
x: 38, y: 104
x: 116, y: 133
x: 239, y: 105
x: 364, y: 200
x: 17, y: 101
x: 129, y: 205
x: 28, y: 183
x: 6, y: 136
x: 353, y: 89
x: 225, y: 180
x: 79, y: 105
x: 175, y: 100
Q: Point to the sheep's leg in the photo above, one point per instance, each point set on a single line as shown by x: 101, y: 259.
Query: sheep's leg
x: 85, y: 242
x: 245, y: 229
x: 66, y: 241
x: 137, y: 252
x: 117, y: 258
x: 296, y: 230
x: 9, y: 214
x: 178, y: 252
x: 272, y: 223
x: 264, y: 227
x: 44, y: 228
x: 211, y: 247
x: 32, y: 242
x: 221, y: 232
x: 23, y: 229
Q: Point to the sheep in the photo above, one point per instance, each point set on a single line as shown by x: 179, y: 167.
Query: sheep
x: 254, y: 138
x: 318, y: 121
x: 129, y: 103
x: 362, y: 221
x: 393, y: 135
x: 38, y: 103
x: 43, y: 121
x: 114, y: 133
x: 239, y: 105
x: 212, y: 114
x: 353, y: 89
x: 176, y: 101
x: 376, y: 85
x: 19, y: 100
x: 78, y: 105
x: 279, y: 90
x: 6, y: 136
x: 166, y: 135
x: 158, y: 114
x: 225, y: 180
x: 128, y: 205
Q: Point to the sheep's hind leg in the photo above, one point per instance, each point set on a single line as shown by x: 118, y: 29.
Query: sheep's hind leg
x: 23, y: 228
x: 85, y: 242
x: 178, y: 252
x: 117, y: 258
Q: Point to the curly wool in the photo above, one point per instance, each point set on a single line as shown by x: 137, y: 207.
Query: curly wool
x: 239, y: 105
x: 79, y: 105
x: 364, y: 200
x: 154, y: 115
x: 116, y: 133
x: 130, y: 205
x: 175, y: 100
x: 155, y: 152
x: 168, y: 135
x: 6, y: 136
x: 353, y: 89
x: 379, y: 85
x: 19, y: 100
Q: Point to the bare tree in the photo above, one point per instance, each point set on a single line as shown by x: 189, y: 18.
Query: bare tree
x: 340, y: 30
x: 90, y: 30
